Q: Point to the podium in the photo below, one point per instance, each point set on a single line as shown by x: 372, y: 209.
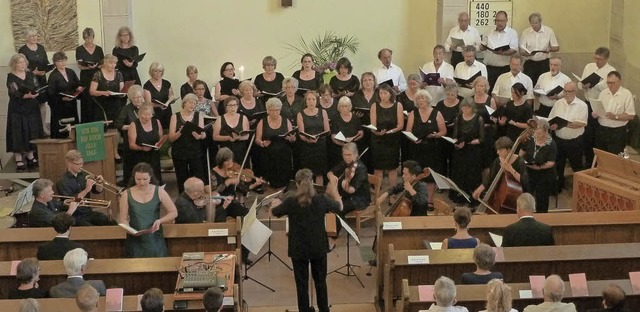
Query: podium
x: 52, y: 163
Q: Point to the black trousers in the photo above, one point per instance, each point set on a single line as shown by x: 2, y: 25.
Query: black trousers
x: 612, y: 140
x: 319, y: 273
x: 534, y: 69
x: 456, y: 57
x: 541, y: 184
x: 494, y: 72
x: 571, y: 149
x: 589, y: 136
x: 186, y: 168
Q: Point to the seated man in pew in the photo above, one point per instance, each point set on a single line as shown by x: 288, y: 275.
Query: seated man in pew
x: 75, y: 183
x: 527, y: 231
x: 75, y: 263
x: 552, y: 291
x: 87, y: 298
x: 212, y: 299
x: 612, y: 299
x: 444, y: 292
x: 152, y: 300
x: 61, y: 244
x: 44, y: 208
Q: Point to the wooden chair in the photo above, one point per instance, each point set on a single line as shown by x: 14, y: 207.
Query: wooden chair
x: 368, y: 213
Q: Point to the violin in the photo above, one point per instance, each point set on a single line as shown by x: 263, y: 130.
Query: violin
x: 244, y: 175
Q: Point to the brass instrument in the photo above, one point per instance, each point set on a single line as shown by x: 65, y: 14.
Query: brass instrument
x: 86, y: 202
x: 105, y: 185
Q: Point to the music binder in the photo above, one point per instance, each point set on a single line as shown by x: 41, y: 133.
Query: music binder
x: 388, y: 82
x: 431, y: 79
x: 47, y: 68
x: 158, y: 144
x: 87, y: 63
x: 503, y: 48
x: 468, y: 81
x: 593, y: 79
x: 136, y: 59
x: 555, y: 91
x: 166, y: 104
x: 315, y: 136
x: 75, y: 94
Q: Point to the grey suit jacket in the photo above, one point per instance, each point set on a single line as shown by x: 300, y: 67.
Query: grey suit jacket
x: 69, y: 288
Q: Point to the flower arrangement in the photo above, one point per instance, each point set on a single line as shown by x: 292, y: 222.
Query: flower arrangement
x: 326, y: 49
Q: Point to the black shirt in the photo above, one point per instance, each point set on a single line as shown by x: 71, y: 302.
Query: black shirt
x: 29, y: 293
x: 188, y: 212
x: 476, y: 279
x: 419, y: 201
x: 360, y: 182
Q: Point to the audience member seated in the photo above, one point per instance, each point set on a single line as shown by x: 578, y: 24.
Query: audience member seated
x: 190, y: 203
x: 498, y: 297
x: 527, y: 231
x: 58, y: 247
x: 612, y: 299
x: 444, y: 292
x: 484, y: 257
x: 87, y: 298
x: 44, y: 207
x: 28, y: 275
x: 152, y: 301
x: 212, y: 299
x: 552, y: 292
x: 75, y: 263
x: 462, y: 239
x: 29, y: 305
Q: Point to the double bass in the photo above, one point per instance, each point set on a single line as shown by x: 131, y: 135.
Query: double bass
x: 402, y: 207
x: 503, y: 193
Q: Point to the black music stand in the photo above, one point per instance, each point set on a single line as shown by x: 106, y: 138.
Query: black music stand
x: 348, y: 265
x: 247, y: 277
x: 269, y: 252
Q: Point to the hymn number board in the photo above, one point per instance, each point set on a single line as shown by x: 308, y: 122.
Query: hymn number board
x: 482, y: 13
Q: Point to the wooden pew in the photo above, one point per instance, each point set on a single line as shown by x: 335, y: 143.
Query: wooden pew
x: 572, y: 228
x: 599, y: 262
x: 135, y: 275
x: 105, y: 242
x: 129, y: 303
x: 473, y: 297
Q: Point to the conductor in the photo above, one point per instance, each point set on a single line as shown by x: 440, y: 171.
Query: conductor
x: 308, y: 242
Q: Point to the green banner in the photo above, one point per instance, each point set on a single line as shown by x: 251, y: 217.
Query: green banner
x: 90, y: 140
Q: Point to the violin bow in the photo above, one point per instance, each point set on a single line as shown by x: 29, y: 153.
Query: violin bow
x: 358, y: 158
x: 246, y: 155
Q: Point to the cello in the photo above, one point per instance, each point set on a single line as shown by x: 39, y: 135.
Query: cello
x: 402, y: 206
x: 503, y: 193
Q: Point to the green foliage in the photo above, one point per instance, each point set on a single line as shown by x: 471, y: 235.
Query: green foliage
x: 326, y: 49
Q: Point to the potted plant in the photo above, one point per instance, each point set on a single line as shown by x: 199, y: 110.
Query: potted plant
x: 326, y: 50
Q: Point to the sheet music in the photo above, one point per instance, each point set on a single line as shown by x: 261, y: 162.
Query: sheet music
x: 24, y: 197
x: 254, y: 233
x: 349, y: 229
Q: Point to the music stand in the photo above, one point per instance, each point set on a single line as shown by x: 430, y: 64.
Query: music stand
x: 267, y: 201
x: 348, y: 265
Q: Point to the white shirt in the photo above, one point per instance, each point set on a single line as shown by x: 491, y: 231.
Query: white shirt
x: 618, y: 103
x: 576, y: 111
x: 547, y: 82
x: 540, y: 40
x: 590, y: 68
x: 471, y: 36
x: 394, y: 73
x: 445, y: 71
x: 497, y: 39
x: 464, y: 71
x: 507, y: 80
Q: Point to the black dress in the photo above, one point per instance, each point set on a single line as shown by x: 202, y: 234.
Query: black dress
x: 127, y: 115
x: 162, y: 95
x: 313, y: 84
x: 542, y: 183
x: 359, y: 100
x: 290, y: 110
x: 226, y: 88
x: 87, y: 113
x: 426, y: 152
x: 348, y: 129
x: 313, y: 156
x: 128, y: 73
x: 446, y: 150
x: 407, y: 104
x: 37, y: 59
x: 186, y: 153
x: 186, y: 88
x: 238, y: 147
x: 275, y: 159
x: 250, y: 113
x: 108, y: 107
x: 338, y: 86
x: 520, y: 113
x: 151, y: 157
x: 273, y: 86
x: 467, y: 168
x: 489, y: 149
x: 385, y: 149
x: 59, y: 108
x: 23, y: 115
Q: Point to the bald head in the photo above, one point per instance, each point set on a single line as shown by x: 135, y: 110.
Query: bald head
x: 553, y: 288
x: 193, y: 184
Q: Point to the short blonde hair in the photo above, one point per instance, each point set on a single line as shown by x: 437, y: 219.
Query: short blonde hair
x: 273, y: 102
x: 109, y: 58
x: 424, y: 94
x: 498, y: 296
x: 246, y: 84
x: 122, y: 30
x: 87, y: 297
x: 14, y: 60
x: 269, y: 60
x: 145, y: 107
x: 156, y: 66
x: 30, y: 31
x: 345, y: 101
x: 192, y: 68
x: 73, y: 155
x: 482, y: 80
x: 190, y: 97
x: 290, y: 80
x: 133, y: 91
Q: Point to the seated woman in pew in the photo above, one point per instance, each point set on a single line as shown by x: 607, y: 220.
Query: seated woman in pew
x: 498, y: 297
x: 613, y: 297
x: 462, y: 239
x: 484, y: 257
x: 140, y: 208
x: 28, y: 275
x: 414, y: 192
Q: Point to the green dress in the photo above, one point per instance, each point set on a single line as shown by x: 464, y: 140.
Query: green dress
x: 142, y: 216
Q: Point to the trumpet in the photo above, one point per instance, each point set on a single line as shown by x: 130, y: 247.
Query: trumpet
x: 106, y: 185
x: 86, y: 202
